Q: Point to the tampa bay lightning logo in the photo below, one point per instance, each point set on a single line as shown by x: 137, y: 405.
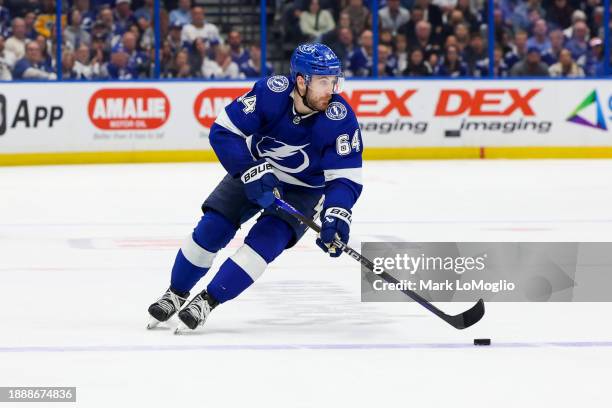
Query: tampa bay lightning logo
x: 290, y: 159
x: 336, y: 111
x: 307, y: 48
x: 278, y: 83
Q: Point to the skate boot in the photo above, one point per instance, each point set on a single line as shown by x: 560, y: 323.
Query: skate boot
x: 165, y: 307
x: 196, y: 312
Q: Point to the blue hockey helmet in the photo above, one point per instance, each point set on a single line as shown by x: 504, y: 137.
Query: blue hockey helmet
x: 316, y: 59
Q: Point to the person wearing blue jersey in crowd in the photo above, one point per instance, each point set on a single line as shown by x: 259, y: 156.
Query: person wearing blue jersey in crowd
x: 239, y: 54
x: 293, y: 135
x: 251, y: 68
x: 137, y: 61
x: 32, y: 67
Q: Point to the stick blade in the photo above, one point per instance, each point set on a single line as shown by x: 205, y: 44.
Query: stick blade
x: 467, y: 318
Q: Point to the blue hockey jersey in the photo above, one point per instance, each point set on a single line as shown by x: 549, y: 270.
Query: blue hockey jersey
x: 321, y: 150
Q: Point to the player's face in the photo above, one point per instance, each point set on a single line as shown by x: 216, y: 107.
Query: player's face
x: 320, y: 90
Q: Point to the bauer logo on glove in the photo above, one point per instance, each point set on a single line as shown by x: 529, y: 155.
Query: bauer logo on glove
x: 256, y: 172
x: 260, y: 183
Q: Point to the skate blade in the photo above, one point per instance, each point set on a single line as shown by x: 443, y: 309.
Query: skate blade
x: 182, y: 329
x: 153, y: 323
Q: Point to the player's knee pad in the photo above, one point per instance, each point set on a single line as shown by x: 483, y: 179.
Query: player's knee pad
x: 212, y: 233
x: 269, y: 237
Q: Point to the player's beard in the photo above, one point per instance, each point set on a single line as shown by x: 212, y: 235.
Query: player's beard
x: 320, y: 104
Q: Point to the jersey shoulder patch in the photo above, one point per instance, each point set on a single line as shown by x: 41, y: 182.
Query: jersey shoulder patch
x: 338, y: 120
x: 339, y: 111
x: 336, y: 111
x: 278, y: 83
x: 272, y: 95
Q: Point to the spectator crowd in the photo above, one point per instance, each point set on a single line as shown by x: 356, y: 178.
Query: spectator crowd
x: 115, y: 39
x: 449, y: 38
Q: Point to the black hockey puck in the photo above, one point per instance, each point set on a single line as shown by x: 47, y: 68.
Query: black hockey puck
x: 482, y: 342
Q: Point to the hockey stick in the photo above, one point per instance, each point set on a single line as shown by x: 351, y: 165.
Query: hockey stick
x: 460, y: 321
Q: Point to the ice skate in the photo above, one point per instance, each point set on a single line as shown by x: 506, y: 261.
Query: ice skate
x: 196, y: 312
x: 165, y: 307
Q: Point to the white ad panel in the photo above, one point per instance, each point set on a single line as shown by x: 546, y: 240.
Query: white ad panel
x: 65, y: 117
x: 483, y: 113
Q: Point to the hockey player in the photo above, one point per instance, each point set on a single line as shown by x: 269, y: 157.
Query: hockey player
x: 295, y: 135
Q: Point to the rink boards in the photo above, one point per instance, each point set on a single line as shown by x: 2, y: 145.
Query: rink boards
x: 106, y: 122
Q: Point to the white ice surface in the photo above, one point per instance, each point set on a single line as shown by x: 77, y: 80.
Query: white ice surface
x: 85, y: 249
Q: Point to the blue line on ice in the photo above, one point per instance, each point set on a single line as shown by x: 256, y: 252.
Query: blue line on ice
x: 277, y: 347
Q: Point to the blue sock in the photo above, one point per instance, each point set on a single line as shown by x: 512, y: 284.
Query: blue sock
x: 267, y: 239
x: 197, y: 253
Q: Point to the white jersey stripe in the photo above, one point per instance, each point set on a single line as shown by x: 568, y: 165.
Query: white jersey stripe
x: 351, y: 174
x: 226, y: 122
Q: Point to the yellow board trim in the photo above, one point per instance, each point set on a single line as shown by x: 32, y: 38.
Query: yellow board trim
x: 152, y: 156
x: 421, y: 153
x: 371, y: 153
x: 549, y: 152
